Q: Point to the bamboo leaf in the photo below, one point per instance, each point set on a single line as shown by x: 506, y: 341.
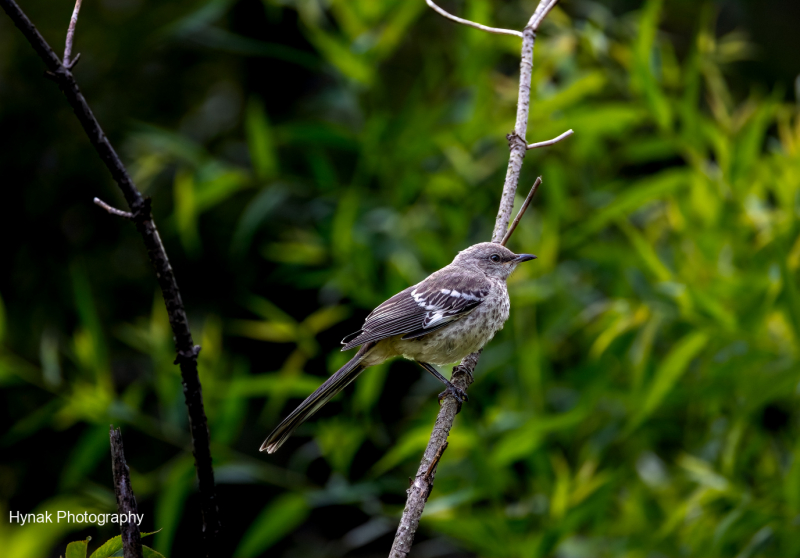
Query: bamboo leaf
x: 667, y: 375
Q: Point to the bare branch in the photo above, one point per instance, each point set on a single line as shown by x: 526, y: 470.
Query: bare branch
x: 186, y: 350
x: 70, y: 36
x: 451, y: 17
x: 113, y: 210
x: 522, y: 210
x: 516, y: 140
x: 422, y: 485
x: 538, y: 144
x: 126, y: 501
x: 541, y: 12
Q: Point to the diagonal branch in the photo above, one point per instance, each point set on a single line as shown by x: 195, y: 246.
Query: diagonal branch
x: 451, y: 17
x: 422, y: 485
x: 521, y: 212
x: 187, y: 351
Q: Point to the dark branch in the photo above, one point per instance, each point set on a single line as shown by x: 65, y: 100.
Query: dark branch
x: 126, y: 501
x: 140, y: 211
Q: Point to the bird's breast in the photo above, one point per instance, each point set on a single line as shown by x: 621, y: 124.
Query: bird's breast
x: 462, y: 337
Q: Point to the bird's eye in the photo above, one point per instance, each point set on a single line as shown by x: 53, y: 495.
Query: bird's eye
x: 495, y: 258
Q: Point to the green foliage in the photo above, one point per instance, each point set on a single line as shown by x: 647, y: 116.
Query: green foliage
x: 640, y: 401
x: 279, y: 517
x: 112, y: 547
x: 78, y: 549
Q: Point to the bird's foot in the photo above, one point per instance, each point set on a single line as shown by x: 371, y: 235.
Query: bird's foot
x: 458, y: 394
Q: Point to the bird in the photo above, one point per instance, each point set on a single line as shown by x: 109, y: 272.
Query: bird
x: 452, y: 313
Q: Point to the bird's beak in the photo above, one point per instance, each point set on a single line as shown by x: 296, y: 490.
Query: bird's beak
x: 524, y: 258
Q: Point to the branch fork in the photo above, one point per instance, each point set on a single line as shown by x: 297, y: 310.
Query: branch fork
x: 73, y: 22
x: 514, y: 140
x: 187, y: 356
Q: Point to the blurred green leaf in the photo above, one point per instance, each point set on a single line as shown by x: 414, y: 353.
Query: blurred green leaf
x: 325, y: 318
x: 217, y: 185
x: 275, y: 521
x: 186, y: 211
x: 274, y: 332
x: 302, y: 253
x: 523, y: 441
x: 86, y: 454
x: 667, y: 374
x: 341, y: 56
x: 633, y: 197
x: 645, y: 72
x: 339, y: 440
x: 220, y: 39
x: 253, y: 216
x: 369, y: 387
x: 89, y: 343
x: 267, y: 384
x: 171, y: 500
x: 259, y: 140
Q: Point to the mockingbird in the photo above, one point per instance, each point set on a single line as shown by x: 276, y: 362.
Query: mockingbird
x: 452, y: 313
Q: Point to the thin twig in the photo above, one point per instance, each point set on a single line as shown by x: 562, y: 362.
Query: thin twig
x: 113, y: 210
x: 126, y: 501
x: 432, y: 467
x: 540, y: 13
x: 545, y: 143
x: 187, y: 351
x: 420, y: 489
x: 451, y: 17
x: 70, y: 36
x: 521, y: 212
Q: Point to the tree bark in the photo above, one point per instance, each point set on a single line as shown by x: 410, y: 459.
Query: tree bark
x: 126, y: 501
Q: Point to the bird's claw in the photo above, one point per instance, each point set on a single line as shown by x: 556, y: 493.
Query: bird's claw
x: 458, y: 394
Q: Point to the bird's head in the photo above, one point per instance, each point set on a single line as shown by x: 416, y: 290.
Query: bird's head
x: 491, y: 258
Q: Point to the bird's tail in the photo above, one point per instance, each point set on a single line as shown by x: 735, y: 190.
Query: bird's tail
x: 316, y: 400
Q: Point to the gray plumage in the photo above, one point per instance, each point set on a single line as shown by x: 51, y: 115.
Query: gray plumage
x: 453, y: 312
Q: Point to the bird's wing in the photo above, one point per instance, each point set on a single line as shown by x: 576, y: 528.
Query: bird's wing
x: 437, y: 301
